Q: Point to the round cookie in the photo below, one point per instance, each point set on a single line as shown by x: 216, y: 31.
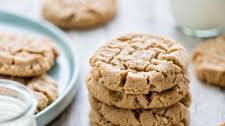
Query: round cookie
x: 97, y: 120
x: 80, y: 14
x: 139, y: 63
x: 209, y: 61
x: 25, y: 56
x: 175, y: 115
x: 43, y: 87
x: 222, y: 124
x: 144, y: 101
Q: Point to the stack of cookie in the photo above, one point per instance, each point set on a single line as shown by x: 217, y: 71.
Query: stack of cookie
x: 139, y: 80
x: 26, y: 59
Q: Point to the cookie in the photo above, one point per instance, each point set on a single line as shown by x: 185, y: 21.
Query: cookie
x: 24, y: 55
x: 42, y: 101
x: 187, y: 100
x: 209, y: 61
x: 44, y: 88
x: 144, y: 101
x: 97, y: 120
x: 45, y: 85
x: 139, y: 63
x: 222, y: 124
x: 102, y: 114
x: 80, y: 14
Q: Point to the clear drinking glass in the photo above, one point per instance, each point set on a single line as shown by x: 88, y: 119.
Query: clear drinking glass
x: 200, y: 18
x: 17, y: 104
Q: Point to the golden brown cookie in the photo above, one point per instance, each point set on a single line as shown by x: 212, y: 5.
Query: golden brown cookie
x: 144, y: 101
x: 80, y: 14
x: 222, y: 124
x: 187, y: 100
x: 139, y: 63
x: 209, y: 61
x: 97, y: 120
x: 44, y: 88
x: 44, y: 84
x: 24, y: 55
x: 105, y: 115
x: 42, y: 99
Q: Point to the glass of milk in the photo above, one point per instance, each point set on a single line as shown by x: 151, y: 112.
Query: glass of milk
x: 17, y: 104
x: 200, y: 18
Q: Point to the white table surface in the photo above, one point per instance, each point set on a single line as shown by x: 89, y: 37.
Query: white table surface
x: 145, y: 16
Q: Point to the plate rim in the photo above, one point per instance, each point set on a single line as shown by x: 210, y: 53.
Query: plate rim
x: 74, y: 77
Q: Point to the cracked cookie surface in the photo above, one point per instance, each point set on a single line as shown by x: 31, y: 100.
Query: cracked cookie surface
x: 105, y: 115
x: 139, y: 63
x: 44, y: 88
x: 145, y: 101
x: 209, y: 61
x: 79, y: 14
x: 25, y: 55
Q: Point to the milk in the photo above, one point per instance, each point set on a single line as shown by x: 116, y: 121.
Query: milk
x: 11, y: 107
x: 199, y: 14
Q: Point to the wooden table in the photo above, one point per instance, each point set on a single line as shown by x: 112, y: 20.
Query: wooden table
x: 146, y: 16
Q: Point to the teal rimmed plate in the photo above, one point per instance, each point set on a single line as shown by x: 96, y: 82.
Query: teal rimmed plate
x: 65, y: 71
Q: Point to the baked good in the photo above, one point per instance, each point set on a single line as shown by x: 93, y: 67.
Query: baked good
x: 105, y: 115
x: 44, y: 88
x: 68, y: 14
x: 187, y: 100
x: 24, y: 55
x: 222, y: 124
x: 209, y: 61
x: 139, y: 63
x: 44, y: 84
x: 97, y: 119
x: 139, y: 80
x: 42, y: 101
x: 144, y: 101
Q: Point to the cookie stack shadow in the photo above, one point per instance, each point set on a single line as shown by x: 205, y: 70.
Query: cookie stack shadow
x: 139, y: 80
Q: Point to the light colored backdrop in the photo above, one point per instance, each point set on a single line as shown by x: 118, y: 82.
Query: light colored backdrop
x: 147, y: 16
